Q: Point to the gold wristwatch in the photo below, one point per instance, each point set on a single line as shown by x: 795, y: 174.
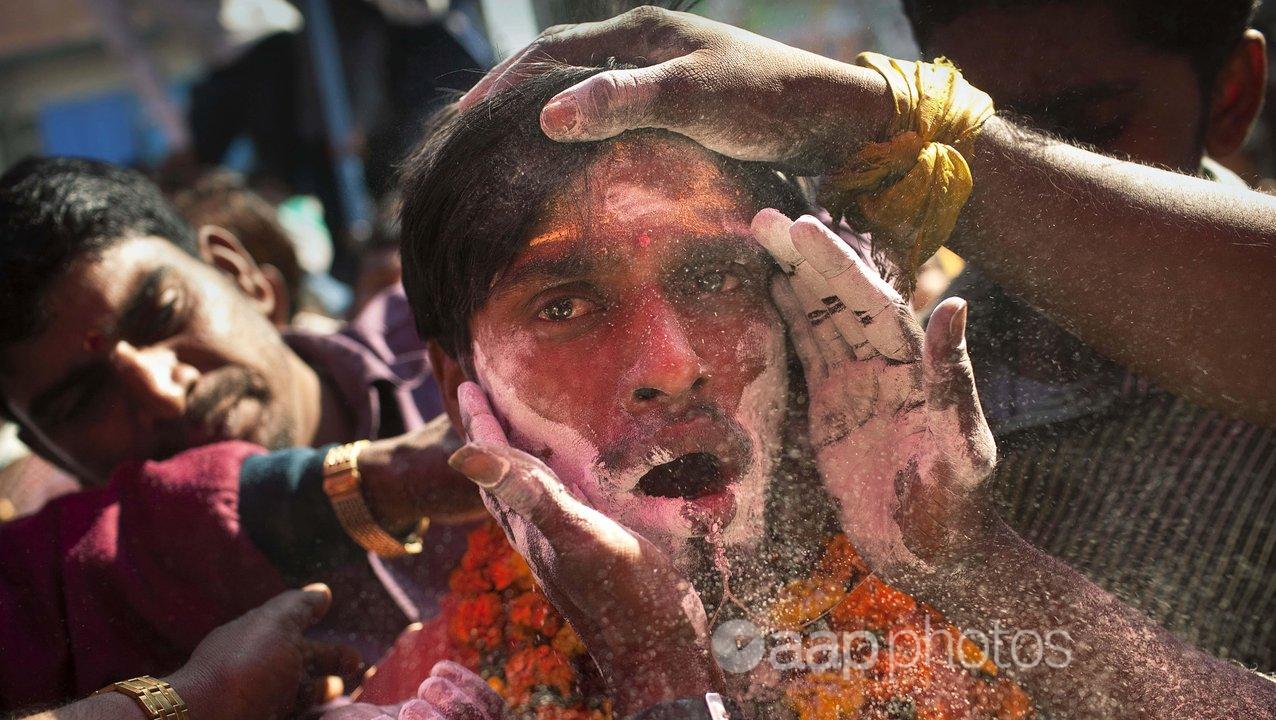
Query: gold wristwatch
x: 342, y: 482
x: 157, y: 697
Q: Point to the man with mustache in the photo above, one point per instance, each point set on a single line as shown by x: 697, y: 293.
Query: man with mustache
x: 617, y: 352
x: 1129, y: 391
x: 137, y: 353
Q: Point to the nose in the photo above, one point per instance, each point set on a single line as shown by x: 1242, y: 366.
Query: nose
x: 154, y: 379
x: 666, y: 368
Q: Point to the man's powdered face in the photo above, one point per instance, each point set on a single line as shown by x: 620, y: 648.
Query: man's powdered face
x: 146, y: 351
x: 633, y: 345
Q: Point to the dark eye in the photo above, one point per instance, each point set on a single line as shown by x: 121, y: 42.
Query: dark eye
x: 716, y: 282
x: 163, y: 319
x: 566, y: 308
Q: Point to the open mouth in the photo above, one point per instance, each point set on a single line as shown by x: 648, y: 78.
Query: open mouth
x: 688, y: 477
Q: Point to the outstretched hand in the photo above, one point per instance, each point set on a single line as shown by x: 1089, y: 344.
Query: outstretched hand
x: 641, y: 621
x: 736, y: 93
x: 262, y: 665
x: 895, y: 423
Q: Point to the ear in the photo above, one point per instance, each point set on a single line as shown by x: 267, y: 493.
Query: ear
x: 283, y: 299
x: 448, y: 374
x: 1238, y: 95
x: 223, y: 251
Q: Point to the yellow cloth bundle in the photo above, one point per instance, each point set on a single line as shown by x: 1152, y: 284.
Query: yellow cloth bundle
x: 909, y: 190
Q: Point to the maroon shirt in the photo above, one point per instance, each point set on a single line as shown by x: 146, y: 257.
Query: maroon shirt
x: 126, y: 579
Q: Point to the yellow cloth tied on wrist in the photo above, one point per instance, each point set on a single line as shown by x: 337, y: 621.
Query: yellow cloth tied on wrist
x: 909, y: 190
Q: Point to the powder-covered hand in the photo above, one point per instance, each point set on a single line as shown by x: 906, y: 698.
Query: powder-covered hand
x: 451, y: 692
x: 734, y: 92
x: 641, y: 621
x: 895, y: 422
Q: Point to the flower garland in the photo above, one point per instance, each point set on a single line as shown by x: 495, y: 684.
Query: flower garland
x: 504, y: 628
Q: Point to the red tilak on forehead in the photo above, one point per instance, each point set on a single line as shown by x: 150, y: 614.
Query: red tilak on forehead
x: 644, y: 239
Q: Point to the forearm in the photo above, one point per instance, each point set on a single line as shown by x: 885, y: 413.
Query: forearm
x: 1167, y: 274
x: 1100, y: 657
x: 93, y: 708
x: 117, y: 706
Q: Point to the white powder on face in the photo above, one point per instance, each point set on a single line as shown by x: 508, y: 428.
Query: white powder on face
x: 572, y: 457
x: 760, y: 412
x: 576, y: 460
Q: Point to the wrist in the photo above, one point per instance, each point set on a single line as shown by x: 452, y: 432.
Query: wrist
x: 201, y: 694
x: 385, y: 490
x: 862, y: 111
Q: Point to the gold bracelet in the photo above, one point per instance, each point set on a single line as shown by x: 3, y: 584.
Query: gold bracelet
x: 157, y: 697
x: 342, y: 482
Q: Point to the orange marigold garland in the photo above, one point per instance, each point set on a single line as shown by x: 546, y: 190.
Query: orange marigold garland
x: 503, y: 627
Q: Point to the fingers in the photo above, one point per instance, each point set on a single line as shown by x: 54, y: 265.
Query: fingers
x: 472, y: 685
x: 836, y: 333
x: 320, y: 691
x: 952, y: 402
x: 521, y: 483
x: 636, y: 37
x: 299, y: 608
x: 322, y: 658
x: 883, y: 315
x: 804, y: 343
x: 481, y: 424
x: 613, y: 102
x: 420, y: 710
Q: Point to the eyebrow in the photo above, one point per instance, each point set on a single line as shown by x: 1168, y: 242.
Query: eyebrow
x: 573, y: 263
x: 727, y: 245
x: 142, y: 297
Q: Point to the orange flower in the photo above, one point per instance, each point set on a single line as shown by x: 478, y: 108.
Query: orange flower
x: 468, y: 582
x: 567, y: 642
x: 531, y: 613
x: 509, y: 570
x: 550, y: 711
x: 477, y: 621
x: 825, y: 696
x: 539, y: 666
x: 801, y: 601
x: 840, y: 560
x: 872, y: 605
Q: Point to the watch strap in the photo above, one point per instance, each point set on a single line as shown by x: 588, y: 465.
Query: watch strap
x: 344, y: 487
x: 155, y: 696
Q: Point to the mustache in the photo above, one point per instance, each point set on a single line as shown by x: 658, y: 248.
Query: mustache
x: 223, y: 389
x: 212, y: 396
x: 645, y: 444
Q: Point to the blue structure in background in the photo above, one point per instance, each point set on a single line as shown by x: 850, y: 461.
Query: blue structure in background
x: 113, y: 127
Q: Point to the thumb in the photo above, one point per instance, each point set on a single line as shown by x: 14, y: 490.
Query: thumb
x: 951, y: 399
x: 612, y: 102
x: 522, y: 483
x: 300, y: 608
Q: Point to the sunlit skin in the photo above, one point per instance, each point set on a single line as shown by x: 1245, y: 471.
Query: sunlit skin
x: 148, y: 351
x: 638, y: 318
x: 1070, y: 69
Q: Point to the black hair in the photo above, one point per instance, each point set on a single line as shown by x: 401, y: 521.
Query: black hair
x: 1206, y: 31
x: 53, y: 211
x: 479, y: 182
